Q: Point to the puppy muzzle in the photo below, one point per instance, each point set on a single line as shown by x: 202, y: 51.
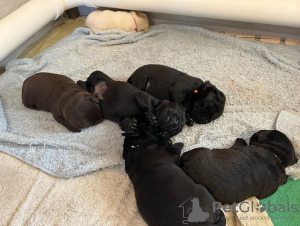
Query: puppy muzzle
x: 172, y: 121
x: 200, y: 115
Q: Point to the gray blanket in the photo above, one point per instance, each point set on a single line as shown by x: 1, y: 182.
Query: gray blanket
x: 259, y: 80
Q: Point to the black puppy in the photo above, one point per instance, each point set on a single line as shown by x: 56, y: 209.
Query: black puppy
x: 240, y: 172
x: 121, y: 102
x: 161, y: 186
x: 203, y: 101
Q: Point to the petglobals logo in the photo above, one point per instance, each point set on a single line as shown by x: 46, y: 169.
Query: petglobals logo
x: 192, y: 211
x: 247, y: 207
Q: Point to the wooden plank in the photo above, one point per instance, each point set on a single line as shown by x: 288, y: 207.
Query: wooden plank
x: 270, y: 39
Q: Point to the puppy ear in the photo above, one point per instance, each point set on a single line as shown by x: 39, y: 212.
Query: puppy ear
x: 176, y: 148
x: 282, y: 147
x: 82, y: 84
x: 140, y: 13
x: 208, y: 86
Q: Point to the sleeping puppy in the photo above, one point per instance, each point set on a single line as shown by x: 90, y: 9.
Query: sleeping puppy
x: 203, y: 101
x: 69, y: 104
x: 161, y: 186
x: 121, y: 102
x: 103, y: 20
x: 242, y: 171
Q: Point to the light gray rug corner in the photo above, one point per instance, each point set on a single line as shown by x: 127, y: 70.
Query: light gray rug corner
x: 259, y: 80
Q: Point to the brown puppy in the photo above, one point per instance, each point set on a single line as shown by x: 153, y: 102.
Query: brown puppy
x: 240, y: 172
x: 70, y: 105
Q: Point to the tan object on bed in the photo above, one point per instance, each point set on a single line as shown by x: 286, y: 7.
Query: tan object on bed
x: 249, y: 217
x: 127, y: 21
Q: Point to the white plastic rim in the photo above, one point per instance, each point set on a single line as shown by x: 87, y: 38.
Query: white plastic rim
x: 21, y: 24
x: 275, y: 12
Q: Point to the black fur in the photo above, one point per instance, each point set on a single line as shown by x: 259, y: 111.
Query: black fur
x: 203, y: 105
x: 242, y: 171
x: 121, y: 102
x: 160, y: 185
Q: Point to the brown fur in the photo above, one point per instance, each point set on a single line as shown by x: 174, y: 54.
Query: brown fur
x: 70, y: 105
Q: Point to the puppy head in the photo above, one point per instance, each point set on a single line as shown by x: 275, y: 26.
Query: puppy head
x: 141, y: 20
x: 207, y: 104
x: 276, y: 142
x: 171, y: 117
x: 83, y: 111
x: 147, y: 135
x: 94, y: 79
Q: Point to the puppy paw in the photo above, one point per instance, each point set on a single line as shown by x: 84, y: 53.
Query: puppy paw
x: 132, y: 124
x: 189, y: 123
x: 152, y: 119
x: 168, y: 142
x: 129, y: 125
x: 165, y: 138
